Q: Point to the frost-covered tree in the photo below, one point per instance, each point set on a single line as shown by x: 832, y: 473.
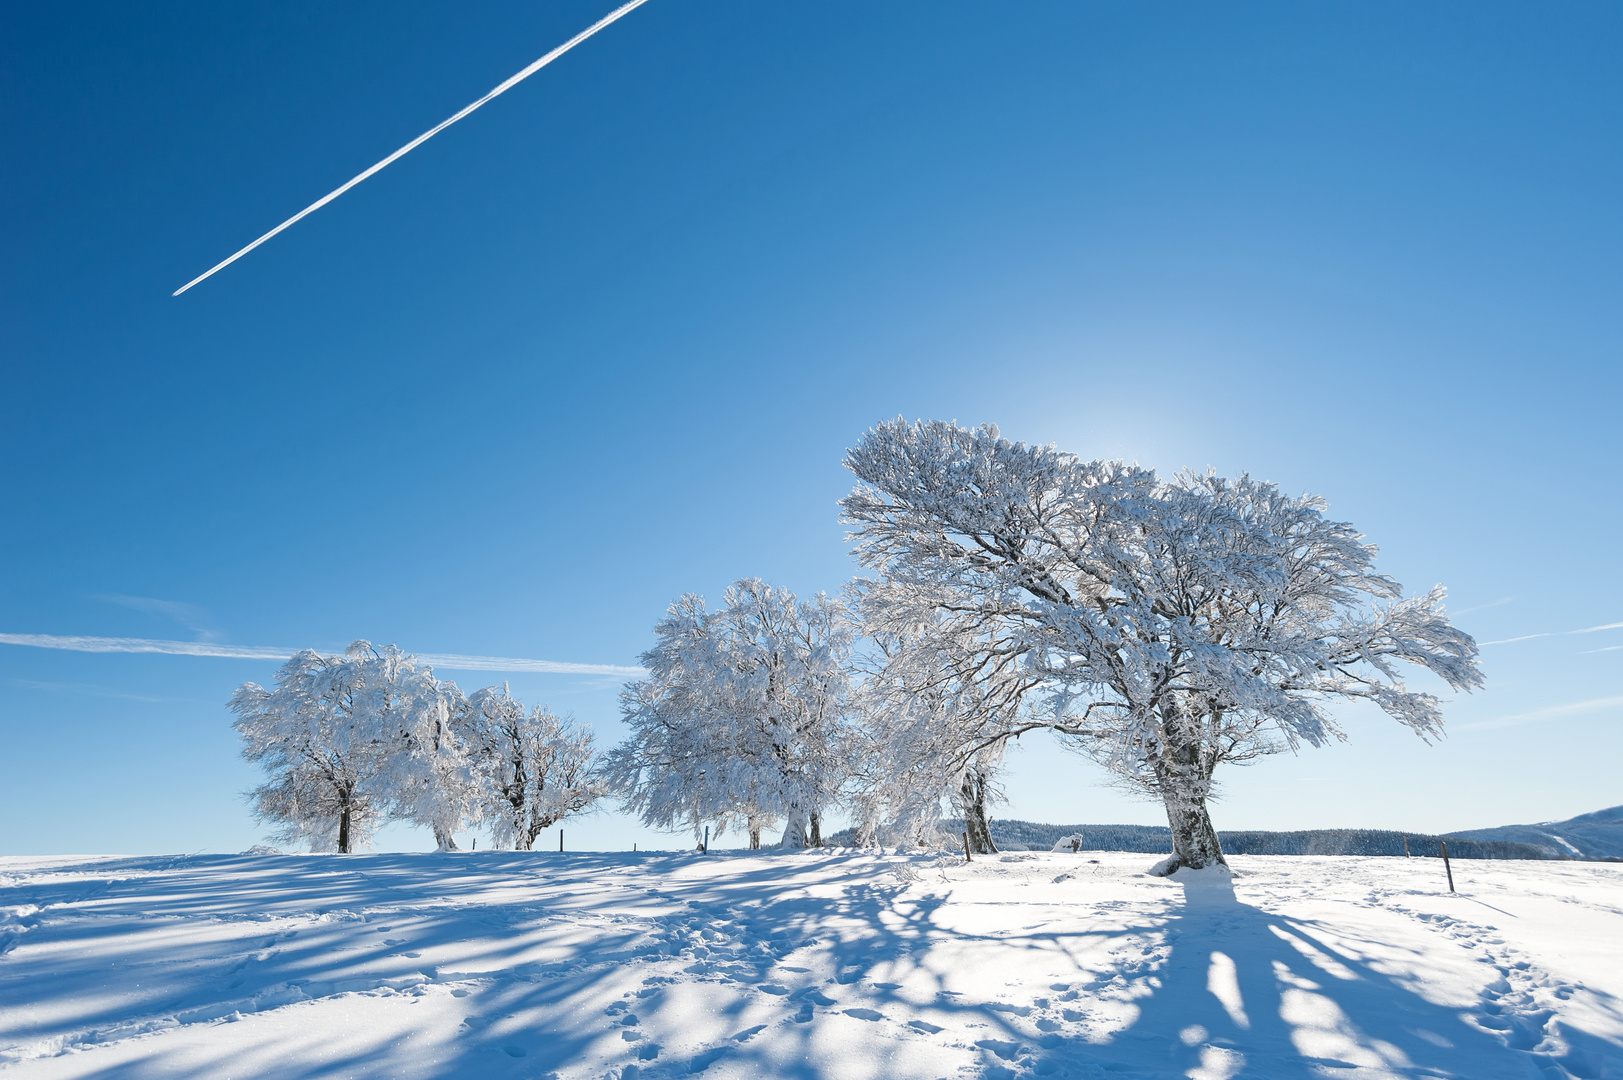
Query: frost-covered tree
x: 433, y: 778
x: 1174, y: 624
x: 743, y: 715
x: 351, y: 740
x: 536, y: 768
x: 942, y: 700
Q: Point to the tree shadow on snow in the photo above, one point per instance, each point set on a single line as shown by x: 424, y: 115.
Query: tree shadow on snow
x: 1247, y: 993
x: 649, y: 966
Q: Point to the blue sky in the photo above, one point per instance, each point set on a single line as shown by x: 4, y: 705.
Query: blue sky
x: 606, y: 340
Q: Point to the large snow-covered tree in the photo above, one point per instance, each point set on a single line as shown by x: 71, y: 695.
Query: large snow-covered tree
x: 351, y: 740
x: 743, y: 718
x: 317, y: 737
x: 536, y: 768
x: 1173, y: 624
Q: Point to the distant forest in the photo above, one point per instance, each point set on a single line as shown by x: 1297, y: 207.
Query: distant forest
x: 1015, y: 835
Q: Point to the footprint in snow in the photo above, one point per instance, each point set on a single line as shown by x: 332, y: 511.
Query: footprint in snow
x: 1000, y: 1047
x: 927, y: 1028
x: 748, y: 1033
x: 865, y: 1014
x: 701, y: 1062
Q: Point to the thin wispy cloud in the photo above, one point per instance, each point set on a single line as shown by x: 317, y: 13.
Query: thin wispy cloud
x: 452, y: 661
x: 1536, y: 716
x: 190, y: 616
x: 88, y: 691
x: 1558, y: 633
x: 424, y: 137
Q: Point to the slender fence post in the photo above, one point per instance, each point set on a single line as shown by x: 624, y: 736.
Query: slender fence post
x: 1406, y: 845
x: 966, y: 848
x: 1446, y: 868
x: 706, y: 848
x: 560, y: 839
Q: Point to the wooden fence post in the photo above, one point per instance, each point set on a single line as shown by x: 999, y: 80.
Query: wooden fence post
x: 560, y: 839
x: 1448, y: 869
x: 1406, y: 845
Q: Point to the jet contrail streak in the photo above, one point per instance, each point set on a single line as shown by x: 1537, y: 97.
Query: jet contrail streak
x: 617, y: 13
x: 257, y: 652
x: 1560, y: 633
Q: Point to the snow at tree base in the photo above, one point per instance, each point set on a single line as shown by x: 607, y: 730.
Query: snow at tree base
x: 808, y: 964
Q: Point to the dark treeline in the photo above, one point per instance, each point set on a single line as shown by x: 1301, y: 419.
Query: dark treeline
x: 1015, y: 835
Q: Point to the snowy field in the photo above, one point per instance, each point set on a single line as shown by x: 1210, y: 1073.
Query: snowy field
x: 533, y: 965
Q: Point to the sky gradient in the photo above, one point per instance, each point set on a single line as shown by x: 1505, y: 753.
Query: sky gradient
x: 605, y: 342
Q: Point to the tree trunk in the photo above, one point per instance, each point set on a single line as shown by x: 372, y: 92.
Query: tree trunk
x: 972, y: 801
x: 755, y: 838
x: 1184, y: 775
x: 444, y: 841
x: 343, y: 830
x: 1194, y: 839
x: 794, y: 830
x: 817, y: 830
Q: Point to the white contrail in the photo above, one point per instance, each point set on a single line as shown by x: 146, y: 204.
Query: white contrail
x: 617, y: 13
x: 1559, y: 633
x: 257, y: 652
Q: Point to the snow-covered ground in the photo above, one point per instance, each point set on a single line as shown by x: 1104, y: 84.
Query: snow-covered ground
x: 538, y: 964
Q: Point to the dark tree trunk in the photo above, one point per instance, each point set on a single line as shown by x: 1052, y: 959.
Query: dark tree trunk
x: 1194, y: 838
x: 343, y: 830
x: 755, y: 838
x: 817, y: 830
x: 972, y: 800
x: 1184, y: 775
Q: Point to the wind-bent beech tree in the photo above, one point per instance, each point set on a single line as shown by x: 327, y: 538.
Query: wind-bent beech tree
x: 941, y: 704
x: 536, y: 767
x: 743, y: 715
x: 1173, y: 625
x: 339, y: 735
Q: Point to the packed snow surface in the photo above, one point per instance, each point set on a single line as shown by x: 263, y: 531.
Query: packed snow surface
x: 813, y: 964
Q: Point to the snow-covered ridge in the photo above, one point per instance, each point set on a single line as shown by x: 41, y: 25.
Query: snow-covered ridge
x: 1597, y: 835
x: 842, y: 964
